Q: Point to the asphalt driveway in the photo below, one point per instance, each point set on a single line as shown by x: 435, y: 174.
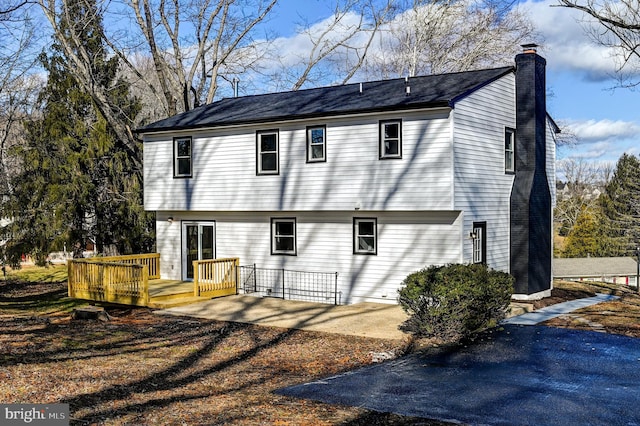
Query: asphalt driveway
x: 516, y: 375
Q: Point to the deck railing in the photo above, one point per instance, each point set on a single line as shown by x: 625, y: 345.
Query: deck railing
x: 115, y: 279
x: 215, y: 277
x: 150, y: 260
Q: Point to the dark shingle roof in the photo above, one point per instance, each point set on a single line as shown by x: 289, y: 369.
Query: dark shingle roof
x: 425, y: 92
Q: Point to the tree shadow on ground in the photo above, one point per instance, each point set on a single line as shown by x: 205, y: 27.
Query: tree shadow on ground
x: 141, y: 368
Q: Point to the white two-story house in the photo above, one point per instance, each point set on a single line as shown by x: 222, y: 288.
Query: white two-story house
x: 371, y: 181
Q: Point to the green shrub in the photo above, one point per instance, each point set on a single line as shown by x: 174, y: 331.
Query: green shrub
x: 455, y: 301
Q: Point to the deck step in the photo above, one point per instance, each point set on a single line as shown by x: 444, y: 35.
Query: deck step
x: 177, y: 301
x: 167, y: 296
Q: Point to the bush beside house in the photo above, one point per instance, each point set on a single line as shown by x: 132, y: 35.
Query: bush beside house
x: 455, y: 301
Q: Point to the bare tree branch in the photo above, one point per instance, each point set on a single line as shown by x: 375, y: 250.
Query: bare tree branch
x: 74, y: 49
x: 10, y: 7
x: 432, y: 37
x: 618, y: 28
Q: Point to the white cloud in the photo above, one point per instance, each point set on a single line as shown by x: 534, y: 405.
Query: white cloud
x: 589, y: 131
x: 566, y: 45
x: 602, y: 140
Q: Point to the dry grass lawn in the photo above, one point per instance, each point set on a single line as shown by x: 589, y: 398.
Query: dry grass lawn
x: 144, y: 369
x: 621, y: 316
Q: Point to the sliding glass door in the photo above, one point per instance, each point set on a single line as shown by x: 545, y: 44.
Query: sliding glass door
x: 198, y: 243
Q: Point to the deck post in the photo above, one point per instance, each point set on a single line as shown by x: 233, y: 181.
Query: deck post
x: 236, y: 266
x: 70, y: 282
x: 196, y: 285
x: 145, y: 286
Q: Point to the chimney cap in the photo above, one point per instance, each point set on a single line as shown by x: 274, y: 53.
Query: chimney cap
x: 529, y: 48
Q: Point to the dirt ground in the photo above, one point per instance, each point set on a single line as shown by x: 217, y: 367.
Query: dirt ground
x: 144, y: 369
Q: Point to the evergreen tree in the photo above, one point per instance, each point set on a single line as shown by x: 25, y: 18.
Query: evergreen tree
x: 621, y: 206
x: 78, y: 183
x: 588, y: 238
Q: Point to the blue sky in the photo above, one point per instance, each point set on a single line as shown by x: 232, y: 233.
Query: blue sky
x: 606, y: 122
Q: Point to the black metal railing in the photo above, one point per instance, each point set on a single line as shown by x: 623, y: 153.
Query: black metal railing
x: 320, y: 287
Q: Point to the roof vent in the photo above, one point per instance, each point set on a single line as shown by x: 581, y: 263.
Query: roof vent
x: 236, y: 84
x: 360, y: 87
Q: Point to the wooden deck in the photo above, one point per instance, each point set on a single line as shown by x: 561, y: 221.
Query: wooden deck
x: 135, y: 280
x: 168, y: 293
x: 164, y: 288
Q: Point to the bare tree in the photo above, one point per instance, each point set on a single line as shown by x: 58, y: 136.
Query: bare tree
x: 329, y: 51
x: 342, y: 37
x: 618, y: 28
x: 188, y: 43
x: 580, y: 189
x: 439, y: 36
x: 18, y: 88
x: 10, y: 7
x: 188, y: 67
x: 69, y: 35
x: 17, y: 104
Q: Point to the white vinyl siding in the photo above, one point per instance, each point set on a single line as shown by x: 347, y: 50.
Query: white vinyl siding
x: 353, y: 176
x: 407, y: 242
x: 482, y: 189
x: 425, y: 206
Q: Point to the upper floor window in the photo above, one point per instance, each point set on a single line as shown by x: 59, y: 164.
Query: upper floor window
x: 391, y: 139
x: 365, y: 235
x: 182, y: 157
x: 316, y: 144
x: 267, y: 152
x: 509, y: 150
x: 283, y: 236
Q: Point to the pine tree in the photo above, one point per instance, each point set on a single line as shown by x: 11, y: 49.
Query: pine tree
x: 588, y: 238
x: 78, y: 184
x: 621, y: 206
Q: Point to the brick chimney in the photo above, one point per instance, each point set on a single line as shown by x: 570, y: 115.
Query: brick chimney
x: 531, y: 228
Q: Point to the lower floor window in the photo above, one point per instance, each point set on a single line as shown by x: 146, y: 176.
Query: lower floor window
x: 283, y: 236
x: 365, y: 235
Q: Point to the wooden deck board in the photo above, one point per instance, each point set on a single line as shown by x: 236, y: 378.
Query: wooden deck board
x: 159, y: 288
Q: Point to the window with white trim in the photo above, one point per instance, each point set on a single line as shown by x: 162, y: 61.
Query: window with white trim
x: 391, y: 139
x: 283, y: 236
x: 479, y: 238
x: 267, y: 152
x: 316, y: 144
x: 509, y: 150
x: 365, y: 235
x: 182, y: 159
